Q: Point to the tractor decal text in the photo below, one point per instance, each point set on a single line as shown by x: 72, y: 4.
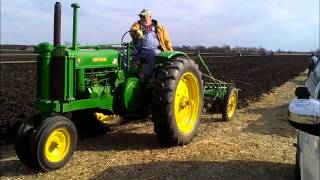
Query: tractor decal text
x: 99, y: 59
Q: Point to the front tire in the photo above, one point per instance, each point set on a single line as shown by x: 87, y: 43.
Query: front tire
x: 53, y: 143
x: 177, y: 101
x: 22, y: 144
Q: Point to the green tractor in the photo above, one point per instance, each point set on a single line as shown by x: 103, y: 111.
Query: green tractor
x: 87, y: 87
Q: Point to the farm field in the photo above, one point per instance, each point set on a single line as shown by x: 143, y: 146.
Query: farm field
x: 253, y: 75
x: 257, y: 144
x: 220, y: 101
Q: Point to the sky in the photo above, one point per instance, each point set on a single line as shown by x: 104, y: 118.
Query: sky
x: 291, y: 25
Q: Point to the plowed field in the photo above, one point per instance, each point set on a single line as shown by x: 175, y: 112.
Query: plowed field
x: 254, y: 76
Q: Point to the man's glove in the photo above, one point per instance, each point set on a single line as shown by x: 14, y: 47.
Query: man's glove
x: 139, y: 34
x: 136, y: 34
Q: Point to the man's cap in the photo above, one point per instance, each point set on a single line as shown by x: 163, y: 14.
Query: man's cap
x: 145, y: 12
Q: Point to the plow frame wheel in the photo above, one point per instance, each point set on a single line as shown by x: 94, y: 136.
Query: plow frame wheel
x: 229, y: 103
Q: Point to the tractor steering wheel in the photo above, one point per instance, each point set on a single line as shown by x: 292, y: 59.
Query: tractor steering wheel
x: 124, y: 49
x: 123, y: 45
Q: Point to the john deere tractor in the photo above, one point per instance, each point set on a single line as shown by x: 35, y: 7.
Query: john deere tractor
x: 87, y: 87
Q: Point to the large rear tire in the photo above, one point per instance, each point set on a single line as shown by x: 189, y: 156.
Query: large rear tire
x: 177, y: 101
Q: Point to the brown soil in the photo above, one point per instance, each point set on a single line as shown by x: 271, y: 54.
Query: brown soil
x: 256, y: 144
x: 254, y: 76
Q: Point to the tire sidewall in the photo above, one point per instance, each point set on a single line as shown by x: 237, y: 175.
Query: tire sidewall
x: 41, y: 136
x: 225, y: 102
x: 189, y: 67
x: 22, y: 144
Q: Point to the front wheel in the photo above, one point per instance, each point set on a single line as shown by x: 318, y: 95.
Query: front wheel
x: 177, y: 101
x: 22, y: 144
x: 53, y: 143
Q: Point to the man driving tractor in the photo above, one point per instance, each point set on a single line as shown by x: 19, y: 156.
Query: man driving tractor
x: 150, y: 38
x: 84, y: 88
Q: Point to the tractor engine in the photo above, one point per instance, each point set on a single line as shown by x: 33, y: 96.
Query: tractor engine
x: 73, y: 78
x: 70, y: 79
x: 82, y: 74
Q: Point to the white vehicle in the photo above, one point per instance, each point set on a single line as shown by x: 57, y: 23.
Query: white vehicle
x: 304, y: 114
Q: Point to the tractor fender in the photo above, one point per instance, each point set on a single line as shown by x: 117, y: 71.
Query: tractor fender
x: 167, y: 55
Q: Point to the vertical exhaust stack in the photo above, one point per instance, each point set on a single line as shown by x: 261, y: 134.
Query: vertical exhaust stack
x: 57, y: 24
x: 75, y: 24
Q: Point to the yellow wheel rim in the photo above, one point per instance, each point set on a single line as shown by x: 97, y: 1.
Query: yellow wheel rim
x: 57, y: 145
x: 232, y: 104
x: 187, y: 102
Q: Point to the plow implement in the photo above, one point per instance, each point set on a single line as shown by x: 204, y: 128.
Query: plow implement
x: 218, y: 95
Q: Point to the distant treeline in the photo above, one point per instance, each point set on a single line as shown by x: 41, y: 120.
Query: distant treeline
x: 203, y: 49
x: 235, y: 50
x: 221, y: 49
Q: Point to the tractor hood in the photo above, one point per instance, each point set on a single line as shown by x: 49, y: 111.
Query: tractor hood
x: 89, y: 58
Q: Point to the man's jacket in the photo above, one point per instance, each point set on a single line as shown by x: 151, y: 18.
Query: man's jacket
x: 161, y: 32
